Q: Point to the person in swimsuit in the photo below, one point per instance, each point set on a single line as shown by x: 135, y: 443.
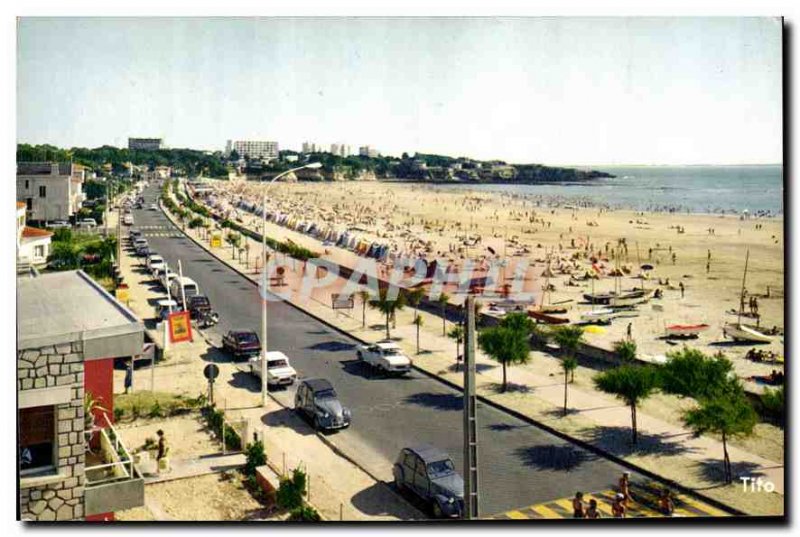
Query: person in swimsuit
x: 577, y: 505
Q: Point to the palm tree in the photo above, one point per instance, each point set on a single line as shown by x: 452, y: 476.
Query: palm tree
x: 505, y: 345
x: 389, y: 307
x: 364, y: 296
x: 569, y: 338
x: 418, y: 323
x: 457, y: 333
x: 630, y: 383
x: 414, y: 297
x: 443, y: 299
x: 568, y: 364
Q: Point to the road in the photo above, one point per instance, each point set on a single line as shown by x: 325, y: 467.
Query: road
x: 519, y: 464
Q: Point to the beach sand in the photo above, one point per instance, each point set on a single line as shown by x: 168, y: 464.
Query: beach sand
x: 436, y: 222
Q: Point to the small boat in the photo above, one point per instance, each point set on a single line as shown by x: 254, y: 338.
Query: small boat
x: 546, y: 317
x: 741, y: 332
x: 598, y: 316
x: 686, y: 330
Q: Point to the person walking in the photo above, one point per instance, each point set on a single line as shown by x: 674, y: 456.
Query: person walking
x: 625, y: 487
x: 683, y: 289
x: 629, y: 331
x: 591, y: 511
x: 162, y: 445
x: 129, y: 376
x: 618, y: 506
x: 665, y: 503
x: 577, y: 506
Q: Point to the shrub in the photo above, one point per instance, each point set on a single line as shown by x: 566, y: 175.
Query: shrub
x: 118, y: 413
x: 291, y: 491
x: 156, y: 411
x: 255, y: 457
x: 305, y: 513
x: 150, y: 443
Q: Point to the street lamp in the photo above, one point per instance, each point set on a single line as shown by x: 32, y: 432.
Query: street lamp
x: 311, y: 165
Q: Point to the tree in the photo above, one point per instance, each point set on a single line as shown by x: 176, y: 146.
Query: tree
x: 729, y: 415
x: 364, y: 296
x: 568, y: 364
x: 388, y: 307
x: 457, y: 334
x: 418, y: 323
x: 568, y: 339
x: 505, y: 345
x: 443, y: 299
x: 65, y: 256
x: 690, y: 373
x: 414, y: 297
x: 774, y: 404
x: 630, y: 383
x: 626, y: 351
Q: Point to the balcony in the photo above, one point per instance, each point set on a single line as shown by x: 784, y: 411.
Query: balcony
x: 112, y: 481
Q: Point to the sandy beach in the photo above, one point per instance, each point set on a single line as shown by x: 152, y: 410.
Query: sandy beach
x: 703, y: 253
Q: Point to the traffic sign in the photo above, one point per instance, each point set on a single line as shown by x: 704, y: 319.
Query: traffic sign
x: 211, y: 371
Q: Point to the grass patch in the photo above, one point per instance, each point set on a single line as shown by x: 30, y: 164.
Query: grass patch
x: 131, y: 406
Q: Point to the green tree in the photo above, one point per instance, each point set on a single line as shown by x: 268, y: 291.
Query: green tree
x: 414, y: 297
x: 291, y: 490
x: 418, y: 322
x: 364, y: 296
x: 443, y: 299
x: 729, y: 415
x: 387, y: 306
x: 457, y: 334
x: 774, y: 404
x: 569, y: 339
x: 255, y: 457
x: 630, y: 383
x: 506, y: 346
x: 568, y: 364
x: 626, y: 351
x: 65, y: 256
x: 690, y: 373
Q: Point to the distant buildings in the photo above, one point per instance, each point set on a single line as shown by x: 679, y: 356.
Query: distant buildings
x: 145, y: 144
x: 50, y: 190
x: 341, y: 150
x: 33, y: 244
x: 309, y: 147
x: 368, y: 151
x: 253, y: 149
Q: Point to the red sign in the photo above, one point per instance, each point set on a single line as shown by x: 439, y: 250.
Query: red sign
x: 180, y: 326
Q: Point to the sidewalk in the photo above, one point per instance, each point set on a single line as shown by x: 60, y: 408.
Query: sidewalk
x: 537, y: 391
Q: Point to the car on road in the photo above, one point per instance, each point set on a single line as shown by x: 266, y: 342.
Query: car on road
x: 154, y: 261
x: 143, y: 250
x: 87, y: 223
x: 317, y: 401
x: 190, y: 288
x: 153, y: 207
x: 198, y: 305
x: 430, y: 474
x: 134, y: 234
x: 241, y: 343
x: 58, y: 224
x: 279, y: 370
x: 385, y: 356
x: 127, y: 219
x: 138, y: 241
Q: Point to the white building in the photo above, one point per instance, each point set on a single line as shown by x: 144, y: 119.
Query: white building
x: 309, y: 147
x: 253, y: 149
x: 367, y: 151
x: 33, y: 244
x: 145, y: 144
x: 50, y: 190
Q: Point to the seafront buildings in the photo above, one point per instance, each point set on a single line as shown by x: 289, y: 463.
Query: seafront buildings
x: 145, y: 144
x: 253, y: 149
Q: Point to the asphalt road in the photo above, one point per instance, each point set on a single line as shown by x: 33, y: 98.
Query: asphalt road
x: 519, y: 464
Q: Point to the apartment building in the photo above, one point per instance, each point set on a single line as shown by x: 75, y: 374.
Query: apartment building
x: 72, y: 462
x: 145, y: 144
x: 368, y: 151
x: 50, y: 190
x: 33, y: 244
x: 253, y: 149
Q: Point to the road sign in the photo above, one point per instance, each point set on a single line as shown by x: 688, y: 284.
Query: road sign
x: 180, y: 327
x: 211, y: 371
x: 216, y: 240
x: 342, y: 302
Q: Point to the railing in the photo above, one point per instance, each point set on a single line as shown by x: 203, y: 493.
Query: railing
x: 122, y: 461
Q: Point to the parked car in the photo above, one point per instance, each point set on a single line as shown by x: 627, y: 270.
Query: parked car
x: 279, y: 370
x: 143, y: 250
x: 385, y: 356
x: 241, y: 343
x: 198, y: 305
x: 87, y: 223
x: 153, y: 259
x: 134, y: 234
x: 190, y: 288
x: 153, y: 207
x: 127, y: 219
x: 429, y: 473
x: 162, y: 274
x: 138, y: 241
x: 316, y: 400
x: 58, y: 224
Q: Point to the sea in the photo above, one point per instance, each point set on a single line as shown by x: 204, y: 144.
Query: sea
x: 756, y: 190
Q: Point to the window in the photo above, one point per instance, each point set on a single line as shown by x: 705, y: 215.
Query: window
x: 42, y: 191
x: 29, y: 204
x: 27, y: 184
x: 36, y: 438
x: 38, y: 251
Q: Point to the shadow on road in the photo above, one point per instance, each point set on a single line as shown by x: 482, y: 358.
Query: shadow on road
x: 380, y: 500
x: 560, y: 457
x: 218, y: 356
x: 332, y: 346
x: 437, y: 401
x: 241, y: 379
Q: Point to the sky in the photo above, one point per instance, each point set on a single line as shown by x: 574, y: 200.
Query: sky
x: 581, y: 91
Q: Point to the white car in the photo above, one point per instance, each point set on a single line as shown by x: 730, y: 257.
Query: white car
x: 154, y: 261
x: 58, y: 224
x: 127, y: 219
x: 385, y: 356
x: 87, y: 223
x: 279, y: 371
x: 153, y: 207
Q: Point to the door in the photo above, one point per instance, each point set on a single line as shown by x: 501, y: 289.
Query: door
x: 408, y: 464
x: 421, y: 478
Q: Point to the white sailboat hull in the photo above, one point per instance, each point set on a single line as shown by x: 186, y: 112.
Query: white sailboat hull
x: 740, y: 332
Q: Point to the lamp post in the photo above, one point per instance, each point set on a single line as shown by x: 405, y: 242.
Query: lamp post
x: 311, y: 165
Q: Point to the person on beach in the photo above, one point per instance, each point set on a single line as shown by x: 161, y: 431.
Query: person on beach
x: 665, y: 503
x: 683, y: 289
x: 577, y: 506
x: 625, y: 487
x: 162, y: 445
x: 629, y: 331
x: 618, y: 507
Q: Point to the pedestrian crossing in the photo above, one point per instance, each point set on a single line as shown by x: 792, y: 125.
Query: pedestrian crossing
x: 643, y: 504
x: 164, y: 231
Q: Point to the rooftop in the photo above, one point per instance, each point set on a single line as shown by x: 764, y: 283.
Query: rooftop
x: 43, y: 168
x: 35, y: 232
x: 69, y: 306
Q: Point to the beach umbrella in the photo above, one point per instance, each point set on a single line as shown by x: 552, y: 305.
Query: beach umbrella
x: 647, y: 267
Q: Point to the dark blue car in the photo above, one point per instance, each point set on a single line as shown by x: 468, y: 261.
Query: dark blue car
x: 429, y: 473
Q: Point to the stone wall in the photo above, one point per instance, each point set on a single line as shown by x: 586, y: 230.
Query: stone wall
x: 58, y: 497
